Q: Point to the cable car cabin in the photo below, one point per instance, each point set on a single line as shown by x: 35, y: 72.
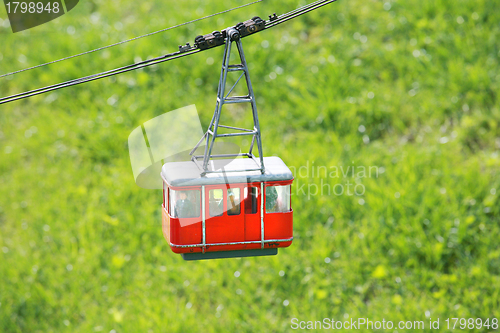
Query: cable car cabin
x: 227, y: 214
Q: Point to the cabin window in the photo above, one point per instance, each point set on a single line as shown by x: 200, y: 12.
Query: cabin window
x: 184, y: 204
x: 215, y: 202
x: 165, y: 196
x: 277, y: 199
x: 233, y: 201
x: 251, y: 194
x: 171, y: 202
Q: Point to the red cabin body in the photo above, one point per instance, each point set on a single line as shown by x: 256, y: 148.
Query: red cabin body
x: 227, y: 214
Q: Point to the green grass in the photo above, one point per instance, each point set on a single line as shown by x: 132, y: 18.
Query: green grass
x: 82, y: 248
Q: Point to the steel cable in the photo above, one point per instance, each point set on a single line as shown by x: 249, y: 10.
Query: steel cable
x: 129, y: 40
x: 270, y: 23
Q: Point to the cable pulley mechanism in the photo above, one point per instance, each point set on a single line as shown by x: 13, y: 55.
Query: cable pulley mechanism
x: 216, y: 38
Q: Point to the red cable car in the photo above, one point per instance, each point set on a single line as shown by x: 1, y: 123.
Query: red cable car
x: 223, y: 205
x: 223, y: 215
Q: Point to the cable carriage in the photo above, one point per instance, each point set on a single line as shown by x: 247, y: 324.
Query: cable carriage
x: 228, y: 205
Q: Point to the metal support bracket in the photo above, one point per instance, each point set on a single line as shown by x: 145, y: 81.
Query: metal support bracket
x: 223, y: 98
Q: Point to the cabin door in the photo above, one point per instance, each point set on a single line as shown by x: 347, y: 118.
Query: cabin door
x: 251, y: 200
x: 224, y: 215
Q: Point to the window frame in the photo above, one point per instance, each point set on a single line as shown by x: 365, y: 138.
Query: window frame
x: 289, y: 197
x: 227, y: 200
x: 246, y: 195
x: 222, y: 200
x: 165, y: 196
x: 171, y: 206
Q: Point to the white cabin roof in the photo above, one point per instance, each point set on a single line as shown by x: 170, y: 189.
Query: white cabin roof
x: 189, y: 174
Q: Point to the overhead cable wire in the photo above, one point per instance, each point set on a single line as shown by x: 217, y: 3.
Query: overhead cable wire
x: 298, y: 12
x: 98, y: 76
x: 129, y: 40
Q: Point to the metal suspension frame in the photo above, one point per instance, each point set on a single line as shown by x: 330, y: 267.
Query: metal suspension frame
x: 222, y: 98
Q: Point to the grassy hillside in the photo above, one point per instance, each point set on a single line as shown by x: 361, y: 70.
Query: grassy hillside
x: 409, y: 88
